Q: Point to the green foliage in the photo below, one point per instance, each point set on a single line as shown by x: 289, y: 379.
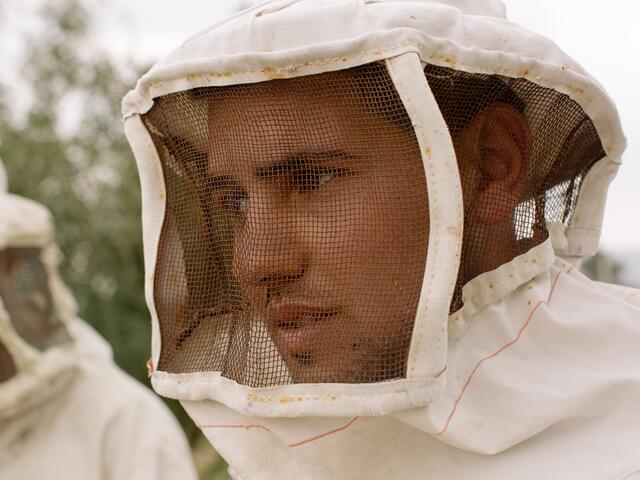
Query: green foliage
x: 63, y: 145
x: 84, y: 173
x: 603, y: 268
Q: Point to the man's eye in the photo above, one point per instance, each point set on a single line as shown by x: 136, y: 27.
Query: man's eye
x: 311, y: 179
x: 232, y: 199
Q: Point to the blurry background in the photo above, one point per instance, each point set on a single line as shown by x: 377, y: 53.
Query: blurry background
x: 66, y: 64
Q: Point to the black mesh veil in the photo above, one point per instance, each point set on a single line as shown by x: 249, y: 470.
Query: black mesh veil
x: 561, y: 146
x: 295, y: 237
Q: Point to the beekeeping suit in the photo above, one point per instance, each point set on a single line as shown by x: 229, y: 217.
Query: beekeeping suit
x: 361, y: 225
x: 66, y: 410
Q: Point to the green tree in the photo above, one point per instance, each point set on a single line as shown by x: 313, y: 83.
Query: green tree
x: 603, y: 268
x: 63, y: 145
x: 69, y: 153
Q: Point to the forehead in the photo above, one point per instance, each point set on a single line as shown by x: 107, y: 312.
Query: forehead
x: 332, y: 93
x: 347, y: 111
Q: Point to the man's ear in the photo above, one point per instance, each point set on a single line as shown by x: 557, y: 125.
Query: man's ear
x: 497, y: 144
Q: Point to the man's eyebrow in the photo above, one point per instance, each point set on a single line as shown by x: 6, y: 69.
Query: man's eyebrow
x: 221, y: 181
x: 294, y: 161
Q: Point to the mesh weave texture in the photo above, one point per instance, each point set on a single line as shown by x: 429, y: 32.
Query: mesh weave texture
x: 295, y: 237
x: 561, y: 145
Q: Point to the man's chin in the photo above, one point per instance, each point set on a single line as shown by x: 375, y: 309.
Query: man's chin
x: 324, y: 372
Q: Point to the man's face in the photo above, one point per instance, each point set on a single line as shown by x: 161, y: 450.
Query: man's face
x: 26, y: 298
x: 327, y: 202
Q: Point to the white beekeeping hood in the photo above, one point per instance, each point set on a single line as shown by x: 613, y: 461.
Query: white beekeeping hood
x: 35, y: 307
x: 332, y: 190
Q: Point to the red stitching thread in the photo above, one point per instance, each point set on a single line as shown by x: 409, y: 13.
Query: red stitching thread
x: 330, y: 432
x: 501, y: 349
x: 244, y: 426
x: 292, y: 445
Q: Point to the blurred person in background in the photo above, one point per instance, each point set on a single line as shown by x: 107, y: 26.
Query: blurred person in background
x: 66, y: 410
x: 361, y: 223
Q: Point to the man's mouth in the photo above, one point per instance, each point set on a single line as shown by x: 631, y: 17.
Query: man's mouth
x: 299, y: 328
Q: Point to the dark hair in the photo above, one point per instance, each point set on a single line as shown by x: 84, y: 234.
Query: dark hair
x: 462, y: 96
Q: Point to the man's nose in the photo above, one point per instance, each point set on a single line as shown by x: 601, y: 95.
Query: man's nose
x: 267, y: 250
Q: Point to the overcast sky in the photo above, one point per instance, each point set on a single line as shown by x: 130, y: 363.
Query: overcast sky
x: 603, y: 36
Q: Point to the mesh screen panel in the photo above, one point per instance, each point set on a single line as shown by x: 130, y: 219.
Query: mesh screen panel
x: 26, y: 297
x: 561, y: 146
x: 295, y: 238
x: 294, y: 244
x: 7, y: 366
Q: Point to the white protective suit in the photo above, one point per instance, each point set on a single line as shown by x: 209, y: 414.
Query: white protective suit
x: 275, y: 153
x: 66, y: 410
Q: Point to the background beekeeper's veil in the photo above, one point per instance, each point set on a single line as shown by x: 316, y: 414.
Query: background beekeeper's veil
x: 35, y: 344
x: 305, y: 246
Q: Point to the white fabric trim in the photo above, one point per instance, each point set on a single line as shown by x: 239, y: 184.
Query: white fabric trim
x: 428, y: 352
x: 494, y: 285
x: 583, y: 233
x: 300, y: 400
x: 153, y: 210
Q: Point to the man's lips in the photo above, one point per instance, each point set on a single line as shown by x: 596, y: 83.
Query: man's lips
x: 300, y: 327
